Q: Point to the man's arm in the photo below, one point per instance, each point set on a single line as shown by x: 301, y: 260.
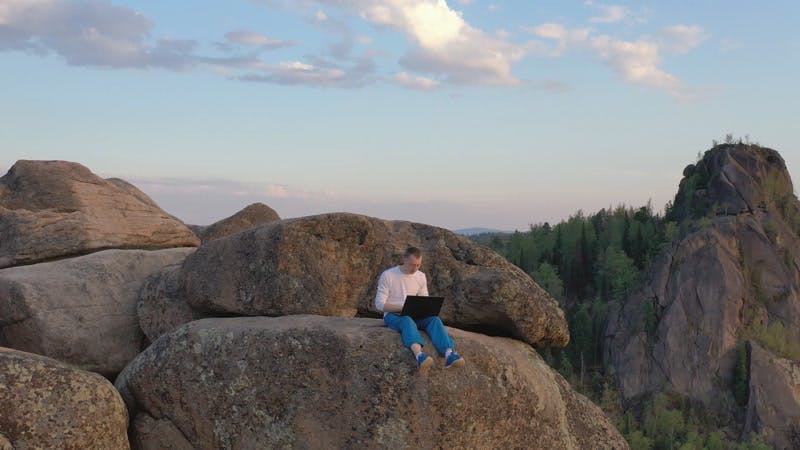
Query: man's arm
x: 383, y: 292
x: 424, y: 289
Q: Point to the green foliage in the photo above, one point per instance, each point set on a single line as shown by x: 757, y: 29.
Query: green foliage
x: 758, y: 287
x: 588, y: 261
x: 639, y: 441
x: 694, y: 441
x: 547, y: 277
x: 671, y: 232
x: 788, y: 259
x: 581, y: 329
x: 666, y: 425
x: 585, y: 262
x: 741, y: 381
x: 565, y: 367
x: 778, y: 190
x: 620, y: 273
x: 754, y: 443
x: 611, y: 401
x: 669, y: 423
x: 770, y: 231
x: 731, y: 139
x: 773, y: 337
x: 715, y: 441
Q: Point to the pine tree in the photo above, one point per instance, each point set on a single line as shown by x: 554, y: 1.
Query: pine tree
x: 741, y: 384
x: 557, y: 250
x: 626, y: 234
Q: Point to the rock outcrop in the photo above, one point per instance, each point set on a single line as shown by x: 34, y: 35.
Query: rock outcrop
x: 773, y: 409
x: 329, y: 265
x: 250, y: 217
x: 733, y: 272
x: 159, y: 309
x: 55, y: 209
x: 328, y: 382
x: 46, y: 404
x: 92, y: 271
x: 80, y: 310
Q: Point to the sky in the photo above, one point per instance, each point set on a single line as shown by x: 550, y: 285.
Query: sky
x: 459, y: 113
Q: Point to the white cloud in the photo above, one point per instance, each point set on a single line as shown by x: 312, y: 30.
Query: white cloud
x: 681, y: 38
x: 296, y: 72
x: 412, y: 82
x: 95, y: 33
x: 431, y: 23
x: 617, y: 13
x: 277, y: 191
x: 202, y: 186
x: 314, y: 71
x: 611, y: 14
x: 445, y: 44
x: 635, y: 61
x: 558, y: 32
x: 565, y: 38
x: 252, y: 38
x: 12, y: 9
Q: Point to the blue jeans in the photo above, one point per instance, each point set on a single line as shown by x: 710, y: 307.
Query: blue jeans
x: 409, y: 330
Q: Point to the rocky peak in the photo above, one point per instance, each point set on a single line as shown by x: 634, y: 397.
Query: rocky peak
x: 731, y: 179
x: 36, y: 185
x: 251, y: 216
x: 55, y: 209
x: 730, y: 276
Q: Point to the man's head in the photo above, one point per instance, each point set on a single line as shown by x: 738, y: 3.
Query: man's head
x: 412, y: 260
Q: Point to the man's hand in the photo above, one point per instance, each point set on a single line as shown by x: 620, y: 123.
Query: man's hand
x: 392, y: 308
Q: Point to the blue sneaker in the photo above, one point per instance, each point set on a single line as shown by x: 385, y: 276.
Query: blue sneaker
x: 424, y: 362
x: 454, y: 360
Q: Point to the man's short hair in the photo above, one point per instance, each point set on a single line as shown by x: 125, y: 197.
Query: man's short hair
x: 413, y: 251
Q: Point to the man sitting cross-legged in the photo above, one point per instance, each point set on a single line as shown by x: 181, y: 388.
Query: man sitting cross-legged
x: 393, y: 287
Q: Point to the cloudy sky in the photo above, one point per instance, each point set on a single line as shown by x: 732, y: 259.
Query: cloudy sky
x: 457, y: 113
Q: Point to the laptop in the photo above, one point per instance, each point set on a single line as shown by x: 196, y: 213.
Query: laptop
x: 418, y: 306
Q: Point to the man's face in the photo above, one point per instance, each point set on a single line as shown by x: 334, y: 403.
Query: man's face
x: 411, y: 263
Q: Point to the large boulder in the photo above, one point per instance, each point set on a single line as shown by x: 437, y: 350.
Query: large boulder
x: 80, y: 310
x: 773, y: 409
x: 46, y: 404
x: 328, y: 382
x: 329, y: 265
x: 159, y: 308
x: 53, y: 209
x: 251, y: 216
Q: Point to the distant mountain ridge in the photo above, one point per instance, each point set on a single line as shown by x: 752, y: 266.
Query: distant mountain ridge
x: 478, y: 230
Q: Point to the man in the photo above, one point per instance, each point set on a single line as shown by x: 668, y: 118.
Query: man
x: 393, y: 286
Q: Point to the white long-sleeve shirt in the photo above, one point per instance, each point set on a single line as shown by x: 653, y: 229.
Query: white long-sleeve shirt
x: 394, y: 285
